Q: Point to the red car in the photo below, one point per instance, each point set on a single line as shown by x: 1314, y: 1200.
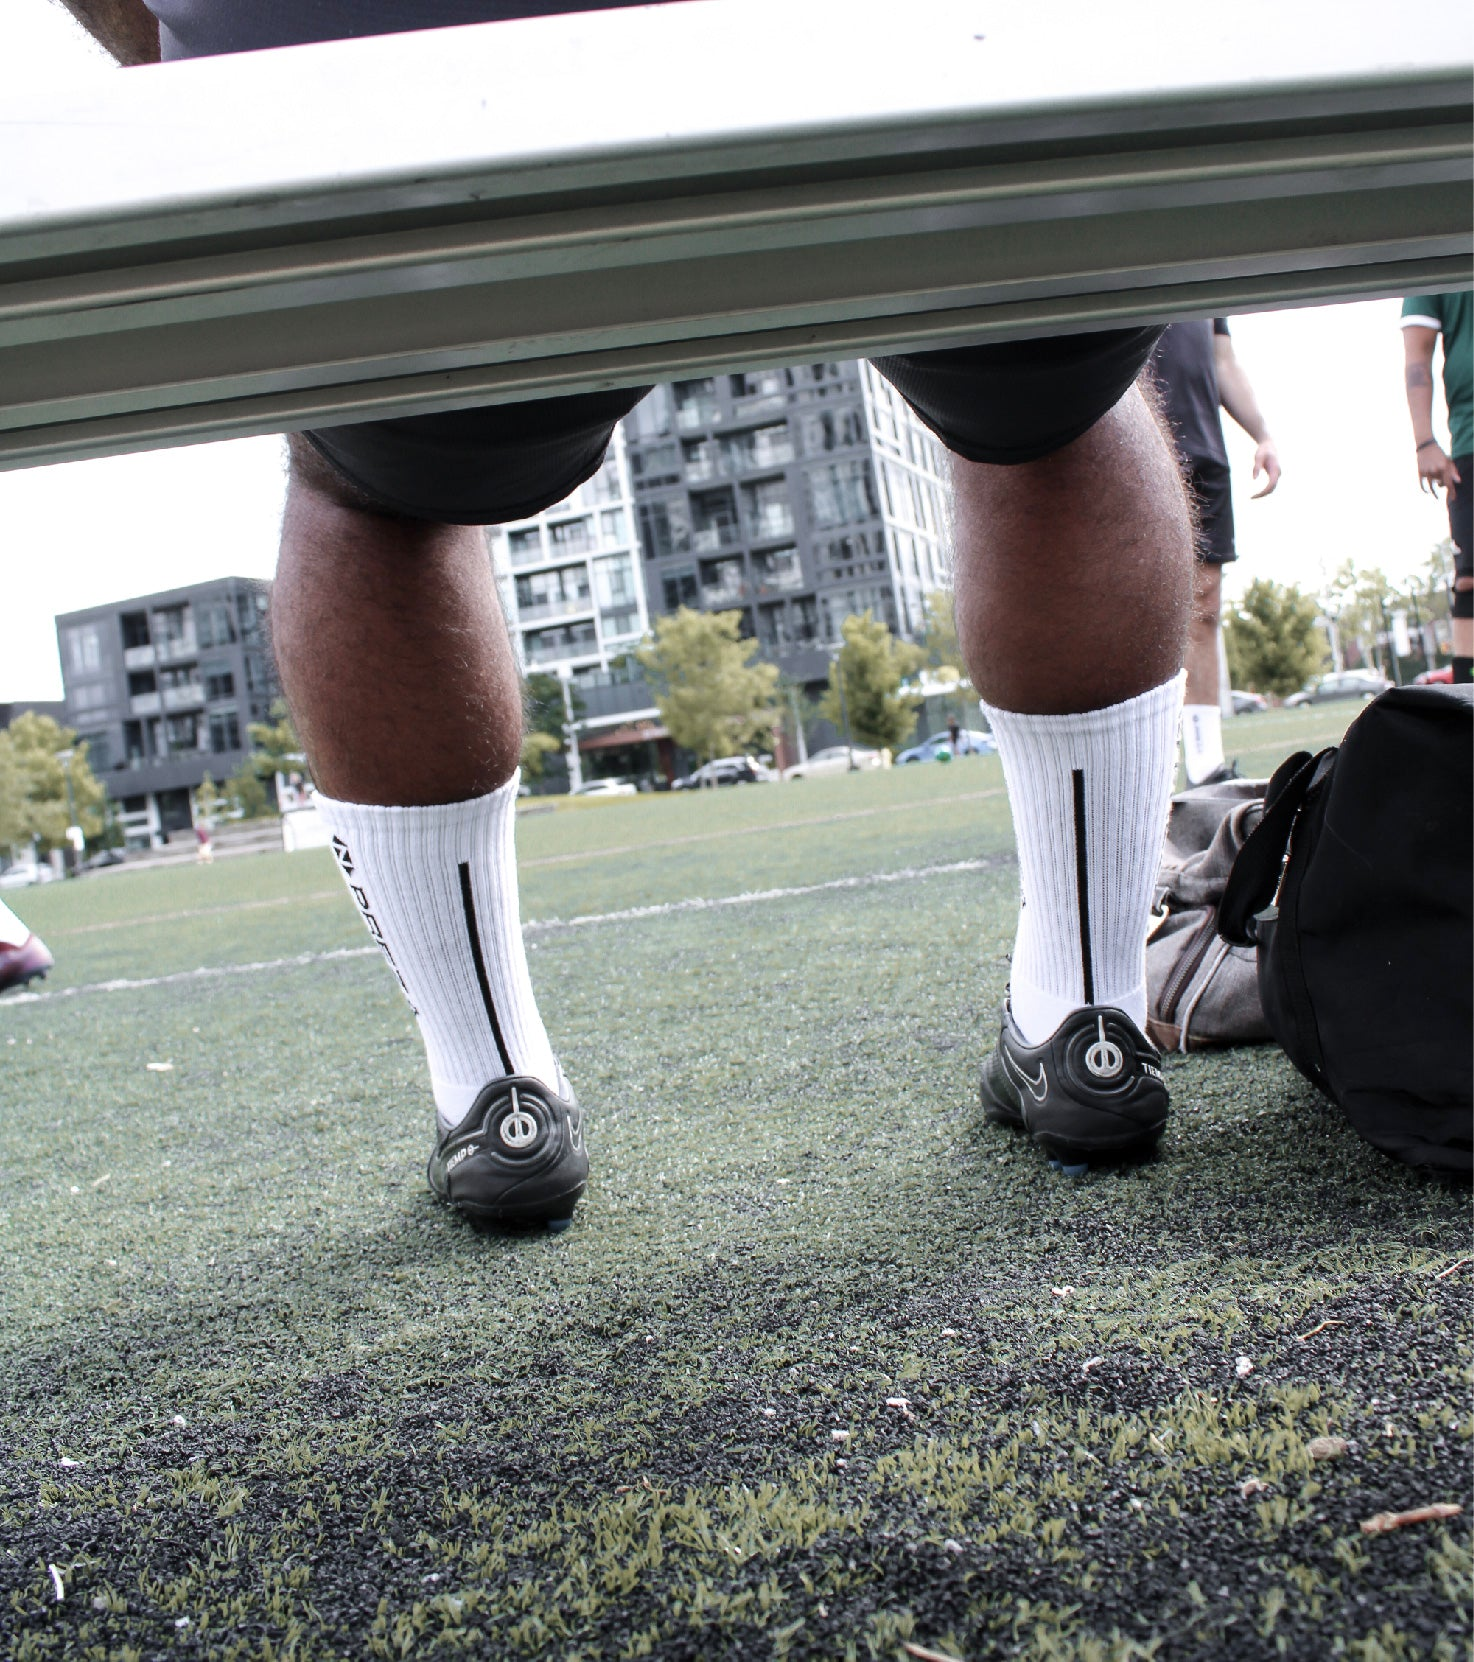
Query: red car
x: 1442, y: 676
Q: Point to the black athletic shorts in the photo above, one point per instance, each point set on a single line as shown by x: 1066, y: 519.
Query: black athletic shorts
x: 1208, y: 485
x: 999, y: 403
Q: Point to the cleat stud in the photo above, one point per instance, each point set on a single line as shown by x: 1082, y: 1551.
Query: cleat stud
x: 1082, y: 1170
x: 556, y: 1226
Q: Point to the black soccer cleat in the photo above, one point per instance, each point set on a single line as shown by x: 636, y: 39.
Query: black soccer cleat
x: 1092, y: 1091
x: 516, y: 1159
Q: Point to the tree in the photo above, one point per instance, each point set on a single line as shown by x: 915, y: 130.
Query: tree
x: 871, y: 666
x: 713, y: 699
x: 940, y: 644
x: 275, y: 747
x: 1273, y: 642
x: 209, y: 803
x: 544, y: 716
x: 246, y: 791
x: 34, y: 800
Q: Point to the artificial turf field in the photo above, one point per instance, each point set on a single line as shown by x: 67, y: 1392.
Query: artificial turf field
x: 825, y: 1366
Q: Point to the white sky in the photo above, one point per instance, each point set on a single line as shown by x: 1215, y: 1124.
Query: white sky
x: 1329, y: 381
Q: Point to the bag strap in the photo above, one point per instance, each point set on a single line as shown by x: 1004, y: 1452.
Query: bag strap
x: 1255, y: 878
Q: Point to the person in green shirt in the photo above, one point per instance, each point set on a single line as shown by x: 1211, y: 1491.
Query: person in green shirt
x: 1424, y: 318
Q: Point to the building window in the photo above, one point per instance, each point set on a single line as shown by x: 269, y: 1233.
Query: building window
x: 650, y: 418
x: 573, y: 640
x: 681, y: 590
x: 762, y: 383
x: 721, y: 582
x: 832, y: 430
x: 525, y: 547
x: 91, y: 695
x: 173, y: 629
x: 767, y: 510
x: 659, y: 465
x: 840, y: 492
x: 777, y: 568
x: 182, y: 734
x: 572, y: 536
x: 565, y: 589
x: 214, y: 624
x: 219, y: 683
x: 99, y: 751
x: 135, y: 630
x: 82, y: 645
x: 665, y: 528
x: 613, y: 526
x: 803, y: 620
x: 225, y: 731
x: 696, y: 404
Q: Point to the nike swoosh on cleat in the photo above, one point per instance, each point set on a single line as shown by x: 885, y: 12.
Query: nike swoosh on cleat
x: 1037, y: 1088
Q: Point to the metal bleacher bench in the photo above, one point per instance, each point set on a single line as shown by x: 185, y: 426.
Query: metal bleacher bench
x: 411, y: 223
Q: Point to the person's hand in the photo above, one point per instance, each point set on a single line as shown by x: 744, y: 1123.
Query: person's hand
x: 1267, y: 462
x: 1435, y: 468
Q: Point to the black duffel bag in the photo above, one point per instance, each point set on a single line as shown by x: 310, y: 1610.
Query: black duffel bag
x: 1357, y: 889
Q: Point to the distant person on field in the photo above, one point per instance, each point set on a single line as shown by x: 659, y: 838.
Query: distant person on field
x: 23, y: 956
x: 1424, y: 318
x: 1197, y: 374
x: 205, y: 846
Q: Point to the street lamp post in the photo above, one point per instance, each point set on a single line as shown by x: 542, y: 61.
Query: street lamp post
x: 570, y: 731
x: 837, y: 665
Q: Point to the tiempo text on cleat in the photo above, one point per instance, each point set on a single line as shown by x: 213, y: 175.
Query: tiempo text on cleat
x: 517, y: 1158
x: 1092, y: 1091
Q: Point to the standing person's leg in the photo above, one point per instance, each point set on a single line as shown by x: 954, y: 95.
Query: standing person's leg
x: 1211, y: 498
x: 1090, y: 540
x: 1202, y: 715
x: 1461, y: 529
x: 397, y: 666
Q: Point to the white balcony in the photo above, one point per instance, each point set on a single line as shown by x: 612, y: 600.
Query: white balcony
x: 138, y: 657
x: 145, y: 704
x: 191, y: 697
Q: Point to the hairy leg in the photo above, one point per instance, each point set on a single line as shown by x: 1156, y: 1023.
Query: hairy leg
x: 1074, y: 573
x: 392, y: 649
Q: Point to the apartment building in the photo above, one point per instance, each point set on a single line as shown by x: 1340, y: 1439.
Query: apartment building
x: 795, y: 496
x: 162, y: 688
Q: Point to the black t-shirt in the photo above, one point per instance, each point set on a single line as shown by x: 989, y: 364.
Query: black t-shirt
x: 1187, y: 374
x: 209, y: 28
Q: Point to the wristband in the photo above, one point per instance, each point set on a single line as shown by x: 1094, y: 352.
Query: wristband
x: 1424, y: 445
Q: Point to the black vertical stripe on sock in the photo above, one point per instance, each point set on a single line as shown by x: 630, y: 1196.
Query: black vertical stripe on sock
x: 1082, y: 883
x: 468, y: 906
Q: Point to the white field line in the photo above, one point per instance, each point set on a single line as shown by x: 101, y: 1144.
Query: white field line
x: 750, y: 830
x: 543, y: 926
x: 523, y: 865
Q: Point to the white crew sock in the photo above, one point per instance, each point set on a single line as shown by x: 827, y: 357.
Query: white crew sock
x: 1113, y: 769
x: 437, y: 887
x: 12, y: 931
x: 1202, y: 740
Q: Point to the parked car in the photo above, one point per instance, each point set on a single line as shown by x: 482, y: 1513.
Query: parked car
x: 836, y: 758
x: 1246, y: 703
x: 1441, y: 677
x: 22, y: 876
x: 971, y: 741
x: 727, y: 770
x: 604, y: 787
x: 1346, y: 683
